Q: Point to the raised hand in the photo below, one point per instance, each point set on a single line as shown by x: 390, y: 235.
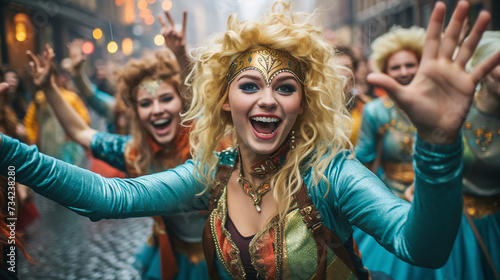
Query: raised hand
x: 175, y: 40
x: 438, y: 99
x: 41, y: 66
x: 76, y: 55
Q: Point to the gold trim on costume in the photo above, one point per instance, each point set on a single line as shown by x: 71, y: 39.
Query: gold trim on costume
x: 401, y: 171
x: 268, y: 62
x: 479, y: 207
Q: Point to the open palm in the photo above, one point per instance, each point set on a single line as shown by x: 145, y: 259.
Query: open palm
x: 438, y: 99
x: 41, y: 67
x: 76, y: 55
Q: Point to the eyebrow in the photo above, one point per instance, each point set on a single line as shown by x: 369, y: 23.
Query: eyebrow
x: 284, y: 78
x: 251, y: 77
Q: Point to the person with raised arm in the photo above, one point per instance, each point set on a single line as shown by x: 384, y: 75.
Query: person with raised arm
x: 283, y: 200
x: 150, y: 88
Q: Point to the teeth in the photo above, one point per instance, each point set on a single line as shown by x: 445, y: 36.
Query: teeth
x: 265, y: 119
x: 160, y: 122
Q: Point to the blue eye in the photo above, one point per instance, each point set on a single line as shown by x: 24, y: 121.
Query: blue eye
x: 249, y: 87
x: 289, y: 89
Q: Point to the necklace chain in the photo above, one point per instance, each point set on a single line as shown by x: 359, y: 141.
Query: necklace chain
x: 261, y: 168
x: 255, y: 194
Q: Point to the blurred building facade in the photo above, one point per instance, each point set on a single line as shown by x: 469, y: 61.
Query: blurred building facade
x: 29, y: 24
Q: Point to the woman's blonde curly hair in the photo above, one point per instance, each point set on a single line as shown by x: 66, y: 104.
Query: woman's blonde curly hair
x: 321, y: 131
x: 397, y: 39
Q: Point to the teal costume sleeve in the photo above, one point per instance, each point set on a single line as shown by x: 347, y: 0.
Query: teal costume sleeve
x: 102, y: 103
x: 110, y: 148
x: 96, y: 197
x: 420, y: 233
x: 366, y: 149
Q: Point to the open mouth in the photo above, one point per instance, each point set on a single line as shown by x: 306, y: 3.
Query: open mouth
x: 405, y: 82
x: 161, y: 126
x: 265, y: 126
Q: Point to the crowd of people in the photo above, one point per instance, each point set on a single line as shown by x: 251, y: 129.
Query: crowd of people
x: 269, y: 153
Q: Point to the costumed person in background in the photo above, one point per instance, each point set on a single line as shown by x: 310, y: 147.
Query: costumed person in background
x: 469, y: 259
x: 44, y: 130
x: 27, y: 212
x: 150, y: 88
x: 386, y: 135
x: 19, y: 97
x: 355, y: 100
x: 101, y: 102
x: 475, y: 254
x: 12, y: 199
x: 272, y: 84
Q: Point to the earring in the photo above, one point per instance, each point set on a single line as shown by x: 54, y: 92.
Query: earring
x: 292, y: 144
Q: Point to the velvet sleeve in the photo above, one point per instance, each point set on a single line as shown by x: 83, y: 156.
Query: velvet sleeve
x: 89, y: 194
x: 421, y: 233
x: 110, y: 148
x: 366, y: 149
x: 102, y: 103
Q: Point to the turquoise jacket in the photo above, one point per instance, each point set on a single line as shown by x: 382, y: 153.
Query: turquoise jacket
x: 421, y: 233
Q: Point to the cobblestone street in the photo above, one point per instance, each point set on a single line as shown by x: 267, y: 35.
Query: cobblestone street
x: 68, y: 246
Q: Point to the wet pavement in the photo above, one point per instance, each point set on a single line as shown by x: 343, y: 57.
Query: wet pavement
x: 68, y: 246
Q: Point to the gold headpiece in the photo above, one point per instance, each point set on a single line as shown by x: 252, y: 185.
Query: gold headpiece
x: 150, y: 85
x: 268, y: 62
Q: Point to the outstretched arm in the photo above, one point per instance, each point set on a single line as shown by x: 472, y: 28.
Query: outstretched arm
x: 96, y: 197
x: 437, y: 102
x: 439, y: 97
x: 74, y: 125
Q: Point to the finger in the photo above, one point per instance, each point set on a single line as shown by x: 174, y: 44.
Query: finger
x: 49, y: 54
x: 452, y: 32
x: 35, y: 63
x: 387, y: 83
x: 485, y: 67
x: 184, y: 21
x: 470, y: 44
x: 3, y: 87
x: 433, y: 36
x: 170, y: 19
x: 162, y: 21
x: 464, y: 30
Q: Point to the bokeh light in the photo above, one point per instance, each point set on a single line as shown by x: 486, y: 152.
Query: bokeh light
x: 97, y: 33
x: 159, y: 40
x: 127, y: 46
x: 149, y: 20
x: 145, y: 13
x: 166, y: 5
x: 88, y: 47
x: 142, y: 4
x: 112, y: 47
